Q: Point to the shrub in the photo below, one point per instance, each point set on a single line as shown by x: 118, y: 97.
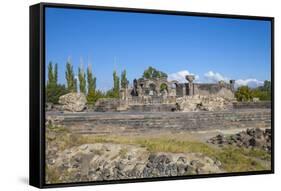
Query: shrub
x: 54, y: 91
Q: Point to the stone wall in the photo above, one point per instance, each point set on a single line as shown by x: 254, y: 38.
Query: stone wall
x: 179, y: 121
x: 153, y: 108
x: 252, y: 105
x: 144, y: 104
x: 153, y: 104
x: 222, y: 90
x: 107, y: 104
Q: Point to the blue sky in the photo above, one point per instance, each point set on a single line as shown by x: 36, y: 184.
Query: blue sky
x: 210, y: 48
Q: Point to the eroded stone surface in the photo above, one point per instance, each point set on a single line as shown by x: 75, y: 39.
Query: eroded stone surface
x: 115, y: 122
x: 203, y: 103
x: 106, y: 161
x: 251, y: 138
x: 73, y: 102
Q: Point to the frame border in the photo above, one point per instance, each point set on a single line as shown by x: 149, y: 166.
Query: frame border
x: 37, y: 93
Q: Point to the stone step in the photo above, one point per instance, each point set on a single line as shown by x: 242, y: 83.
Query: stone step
x: 88, y: 122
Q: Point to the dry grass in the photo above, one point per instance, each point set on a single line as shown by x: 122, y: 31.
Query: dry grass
x: 53, y: 175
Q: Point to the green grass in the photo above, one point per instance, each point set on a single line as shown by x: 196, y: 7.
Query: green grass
x: 240, y: 159
x: 57, y: 129
x: 174, y: 146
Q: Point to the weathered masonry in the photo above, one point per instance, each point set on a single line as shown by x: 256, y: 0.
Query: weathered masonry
x: 161, y: 87
x: 108, y: 122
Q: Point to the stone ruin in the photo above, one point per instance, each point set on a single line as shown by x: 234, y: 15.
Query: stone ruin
x: 162, y: 88
x: 159, y: 94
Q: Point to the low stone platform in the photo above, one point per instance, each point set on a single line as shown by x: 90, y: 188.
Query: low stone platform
x: 252, y: 105
x: 127, y: 122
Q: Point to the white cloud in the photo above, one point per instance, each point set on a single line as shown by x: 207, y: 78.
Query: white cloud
x: 215, y: 77
x: 251, y: 82
x: 180, y: 76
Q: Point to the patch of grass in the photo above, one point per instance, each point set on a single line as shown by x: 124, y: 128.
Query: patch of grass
x: 152, y: 144
x: 52, y: 175
x: 174, y: 146
x: 57, y: 129
x: 122, y: 153
x: 257, y: 153
x: 238, y: 160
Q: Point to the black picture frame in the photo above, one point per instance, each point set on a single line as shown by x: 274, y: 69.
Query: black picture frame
x: 37, y: 93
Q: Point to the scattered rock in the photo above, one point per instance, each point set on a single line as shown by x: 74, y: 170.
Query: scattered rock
x: 51, y: 136
x: 251, y: 138
x: 139, y: 163
x: 203, y: 103
x: 49, y: 106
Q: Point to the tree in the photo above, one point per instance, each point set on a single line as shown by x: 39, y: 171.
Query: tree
x: 91, y: 97
x: 56, y: 74
x: 163, y: 87
x: 91, y: 80
x: 153, y: 73
x: 53, y: 92
x: 244, y: 93
x: 70, y: 79
x: 75, y: 85
x: 263, y: 92
x: 94, y: 96
x: 110, y: 94
x: 116, y: 84
x: 266, y: 86
x: 82, y: 79
x: 52, y: 74
x: 53, y: 89
x: 124, y: 81
x: 262, y: 95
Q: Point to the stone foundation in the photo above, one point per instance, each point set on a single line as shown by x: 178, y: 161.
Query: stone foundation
x: 123, y: 122
x: 252, y: 105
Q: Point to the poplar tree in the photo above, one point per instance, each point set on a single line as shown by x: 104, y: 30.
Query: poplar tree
x: 124, y: 81
x: 50, y: 73
x: 53, y: 89
x: 91, y: 80
x: 70, y: 79
x: 56, y: 74
x: 82, y: 79
x: 116, y: 84
x: 75, y: 85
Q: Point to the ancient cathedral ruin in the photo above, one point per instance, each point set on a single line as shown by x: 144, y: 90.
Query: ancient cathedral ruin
x: 159, y: 94
x: 161, y: 87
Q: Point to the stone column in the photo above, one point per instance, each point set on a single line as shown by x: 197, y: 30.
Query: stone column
x: 232, y: 82
x: 183, y: 90
x: 190, y: 79
x: 122, y: 93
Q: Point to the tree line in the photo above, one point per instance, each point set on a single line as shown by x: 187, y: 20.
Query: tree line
x: 245, y: 93
x: 87, y: 83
